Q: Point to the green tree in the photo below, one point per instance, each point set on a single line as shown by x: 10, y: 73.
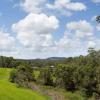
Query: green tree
x: 65, y: 77
x: 22, y: 76
x: 46, y: 76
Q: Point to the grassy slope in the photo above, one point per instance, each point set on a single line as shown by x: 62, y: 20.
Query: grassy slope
x: 9, y: 91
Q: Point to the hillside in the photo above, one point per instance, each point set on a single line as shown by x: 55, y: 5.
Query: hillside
x: 9, y: 91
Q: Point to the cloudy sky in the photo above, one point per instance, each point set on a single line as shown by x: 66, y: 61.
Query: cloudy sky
x: 45, y: 28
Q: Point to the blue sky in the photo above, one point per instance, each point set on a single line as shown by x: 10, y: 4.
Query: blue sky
x: 45, y: 28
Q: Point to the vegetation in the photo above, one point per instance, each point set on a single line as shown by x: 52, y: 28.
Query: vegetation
x: 46, y: 76
x: 9, y: 91
x: 22, y: 76
x: 72, y: 74
x: 75, y: 74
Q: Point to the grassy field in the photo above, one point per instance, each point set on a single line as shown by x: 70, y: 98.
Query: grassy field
x: 9, y: 91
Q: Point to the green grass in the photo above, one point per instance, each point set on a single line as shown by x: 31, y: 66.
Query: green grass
x: 9, y: 91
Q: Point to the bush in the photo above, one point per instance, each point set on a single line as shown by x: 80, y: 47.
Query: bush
x: 46, y: 76
x: 13, y: 75
x: 22, y: 76
x: 65, y: 77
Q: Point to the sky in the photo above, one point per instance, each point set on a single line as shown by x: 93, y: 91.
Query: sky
x: 48, y: 28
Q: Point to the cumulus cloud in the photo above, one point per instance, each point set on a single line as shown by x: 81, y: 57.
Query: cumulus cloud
x: 34, y: 6
x: 77, y: 38
x: 7, y: 42
x: 72, y: 46
x: 82, y: 28
x: 35, y: 31
x: 67, y: 43
x: 66, y: 6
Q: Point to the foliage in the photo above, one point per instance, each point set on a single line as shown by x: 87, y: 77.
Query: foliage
x: 64, y: 75
x: 23, y: 75
x: 78, y: 74
x: 9, y: 91
x: 46, y: 76
x: 73, y: 74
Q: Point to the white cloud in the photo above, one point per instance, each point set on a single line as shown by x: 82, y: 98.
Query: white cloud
x: 82, y: 28
x: 67, y: 5
x: 58, y: 4
x: 98, y: 27
x: 76, y: 6
x: 7, y: 42
x: 72, y: 46
x: 77, y: 38
x: 34, y: 6
x: 82, y: 25
x: 91, y: 44
x: 37, y: 39
x: 35, y: 31
x: 67, y: 43
x: 63, y: 7
x: 81, y: 34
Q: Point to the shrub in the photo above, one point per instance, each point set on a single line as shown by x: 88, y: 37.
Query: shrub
x: 22, y: 76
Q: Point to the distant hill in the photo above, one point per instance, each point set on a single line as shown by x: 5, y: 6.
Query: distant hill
x: 56, y: 58
x: 40, y: 59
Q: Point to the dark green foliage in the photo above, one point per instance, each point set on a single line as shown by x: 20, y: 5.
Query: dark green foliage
x: 22, y: 76
x: 65, y: 77
x: 46, y: 76
x: 77, y: 74
x: 13, y: 75
x: 8, y: 62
